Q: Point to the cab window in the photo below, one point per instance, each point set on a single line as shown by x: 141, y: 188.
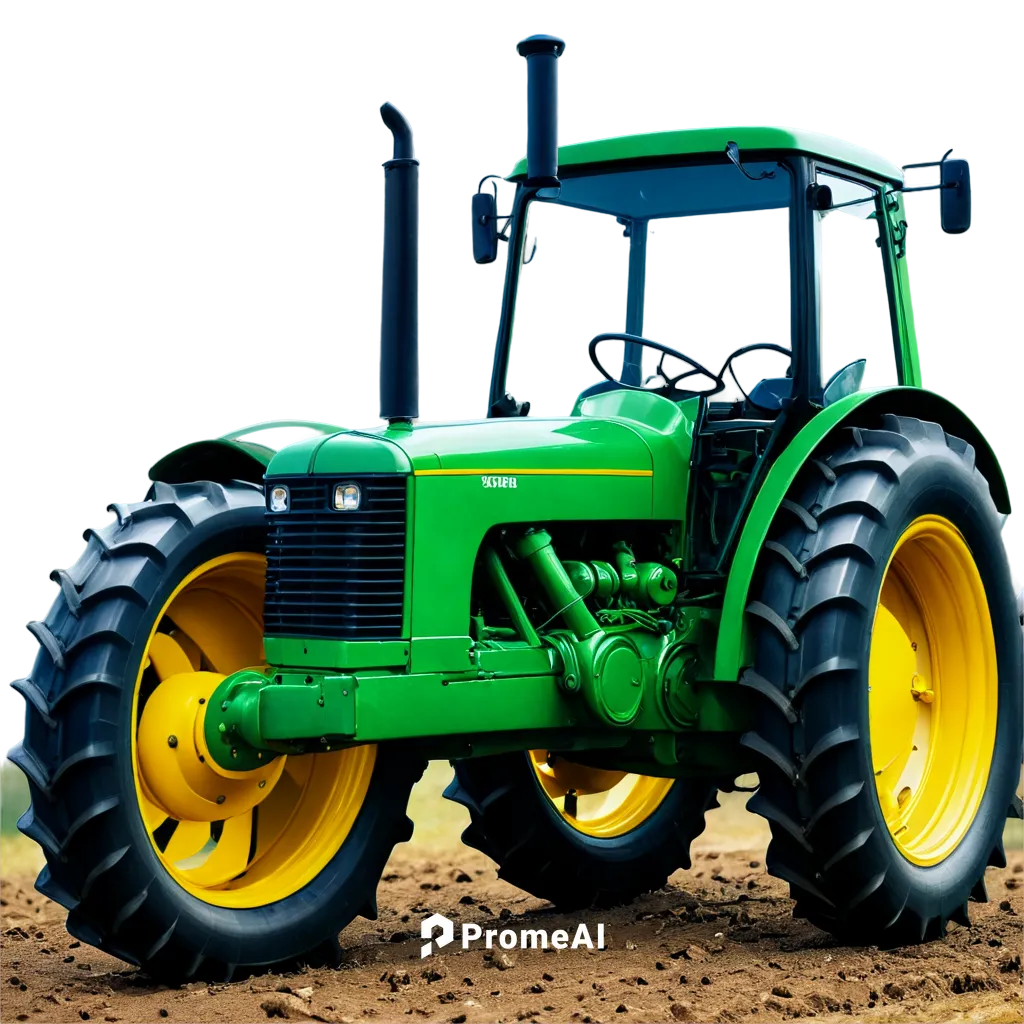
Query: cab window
x: 854, y: 314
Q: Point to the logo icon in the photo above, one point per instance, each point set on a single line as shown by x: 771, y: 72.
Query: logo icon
x: 427, y: 932
x: 506, y: 938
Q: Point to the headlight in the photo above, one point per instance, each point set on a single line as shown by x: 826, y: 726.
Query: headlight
x: 279, y: 498
x: 347, y: 497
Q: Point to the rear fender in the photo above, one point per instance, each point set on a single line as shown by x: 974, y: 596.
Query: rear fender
x: 735, y: 636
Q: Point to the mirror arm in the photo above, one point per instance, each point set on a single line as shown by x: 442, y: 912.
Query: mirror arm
x: 923, y: 188
x: 503, y: 229
x: 817, y: 190
x: 506, y: 217
x: 488, y: 177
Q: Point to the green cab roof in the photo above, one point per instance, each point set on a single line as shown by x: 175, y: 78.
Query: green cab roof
x: 699, y: 141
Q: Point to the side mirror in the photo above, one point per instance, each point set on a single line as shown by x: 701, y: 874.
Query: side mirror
x: 955, y: 196
x: 485, y: 227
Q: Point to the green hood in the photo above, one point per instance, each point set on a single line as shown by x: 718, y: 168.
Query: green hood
x: 622, y: 434
x: 489, y: 446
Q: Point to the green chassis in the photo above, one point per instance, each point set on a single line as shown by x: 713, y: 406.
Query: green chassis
x: 457, y: 696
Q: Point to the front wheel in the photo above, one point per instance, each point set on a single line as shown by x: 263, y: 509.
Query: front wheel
x: 163, y: 858
x: 575, y: 835
x: 887, y: 623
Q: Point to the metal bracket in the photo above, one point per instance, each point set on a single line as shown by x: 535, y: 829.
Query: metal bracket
x: 899, y: 238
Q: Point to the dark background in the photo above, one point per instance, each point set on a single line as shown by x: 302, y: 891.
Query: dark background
x: 189, y: 197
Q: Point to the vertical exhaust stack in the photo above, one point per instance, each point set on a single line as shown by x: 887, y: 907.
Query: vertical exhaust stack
x: 541, y: 52
x: 399, y: 320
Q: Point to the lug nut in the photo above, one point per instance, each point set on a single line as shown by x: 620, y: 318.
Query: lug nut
x: 172, y: 741
x: 920, y: 690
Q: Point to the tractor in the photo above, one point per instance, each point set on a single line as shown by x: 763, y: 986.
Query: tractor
x: 602, y: 614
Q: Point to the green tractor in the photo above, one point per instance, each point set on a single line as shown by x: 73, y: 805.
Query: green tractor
x: 602, y: 617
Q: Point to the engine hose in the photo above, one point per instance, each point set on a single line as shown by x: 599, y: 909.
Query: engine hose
x: 534, y: 548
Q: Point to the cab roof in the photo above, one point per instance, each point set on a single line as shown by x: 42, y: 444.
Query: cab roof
x: 712, y: 141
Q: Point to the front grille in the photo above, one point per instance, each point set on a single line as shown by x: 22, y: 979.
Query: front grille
x: 337, y: 575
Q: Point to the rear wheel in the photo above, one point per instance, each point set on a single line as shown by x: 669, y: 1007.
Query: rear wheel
x: 162, y: 857
x: 575, y: 835
x: 892, y: 747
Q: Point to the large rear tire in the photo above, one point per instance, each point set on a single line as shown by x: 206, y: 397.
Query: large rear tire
x: 161, y: 858
x: 889, y: 643
x: 577, y: 836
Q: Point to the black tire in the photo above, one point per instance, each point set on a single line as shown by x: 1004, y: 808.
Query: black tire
x: 817, y: 588
x: 515, y: 824
x: 84, y: 812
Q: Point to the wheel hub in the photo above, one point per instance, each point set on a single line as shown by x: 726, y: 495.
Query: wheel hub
x: 933, y: 696
x: 177, y: 771
x: 894, y: 714
x: 597, y: 801
x: 277, y: 825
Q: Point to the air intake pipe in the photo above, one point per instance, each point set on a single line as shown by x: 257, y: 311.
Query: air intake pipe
x: 541, y: 52
x: 399, y: 319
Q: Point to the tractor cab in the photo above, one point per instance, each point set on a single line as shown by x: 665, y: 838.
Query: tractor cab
x: 639, y: 234
x: 641, y: 231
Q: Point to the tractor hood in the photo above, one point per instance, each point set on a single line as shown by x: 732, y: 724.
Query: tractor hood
x: 498, y: 446
x: 628, y: 435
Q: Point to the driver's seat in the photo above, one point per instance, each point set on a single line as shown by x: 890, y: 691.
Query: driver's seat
x: 771, y: 393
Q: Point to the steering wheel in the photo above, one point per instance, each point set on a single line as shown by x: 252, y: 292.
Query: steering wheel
x: 670, y: 383
x: 774, y: 404
x: 756, y: 346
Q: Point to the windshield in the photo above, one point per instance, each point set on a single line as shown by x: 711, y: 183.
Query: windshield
x: 695, y: 258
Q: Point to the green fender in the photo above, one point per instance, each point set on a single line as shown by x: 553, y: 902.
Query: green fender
x: 228, y: 457
x: 734, y: 639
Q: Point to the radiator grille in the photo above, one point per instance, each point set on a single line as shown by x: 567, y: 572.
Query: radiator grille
x: 337, y: 575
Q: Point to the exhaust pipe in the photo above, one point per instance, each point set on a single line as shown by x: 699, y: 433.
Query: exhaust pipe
x: 541, y: 52
x: 399, y: 319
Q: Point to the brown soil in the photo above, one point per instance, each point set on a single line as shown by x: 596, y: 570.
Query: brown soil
x: 718, y: 944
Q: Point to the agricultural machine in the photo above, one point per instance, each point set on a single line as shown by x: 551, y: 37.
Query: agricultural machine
x: 602, y: 617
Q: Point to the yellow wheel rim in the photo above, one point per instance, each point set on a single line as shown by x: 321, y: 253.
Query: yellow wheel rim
x: 233, y: 839
x: 596, y: 801
x: 933, y: 691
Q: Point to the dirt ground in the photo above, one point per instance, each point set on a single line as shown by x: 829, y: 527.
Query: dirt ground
x: 717, y: 944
